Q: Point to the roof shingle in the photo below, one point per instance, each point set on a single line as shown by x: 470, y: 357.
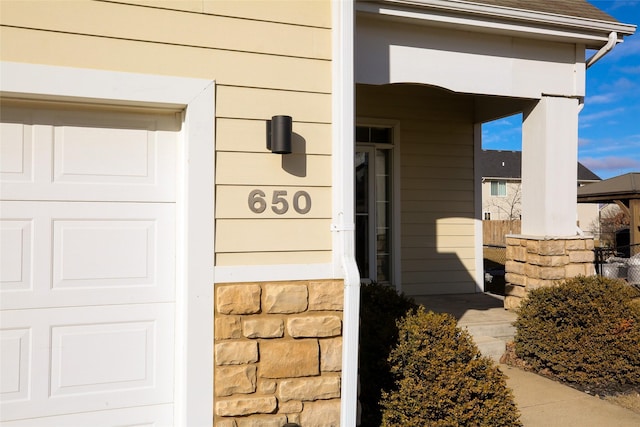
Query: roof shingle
x: 574, y: 8
x: 508, y: 165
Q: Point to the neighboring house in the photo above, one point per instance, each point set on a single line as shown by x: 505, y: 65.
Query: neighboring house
x: 502, y: 188
x: 161, y: 266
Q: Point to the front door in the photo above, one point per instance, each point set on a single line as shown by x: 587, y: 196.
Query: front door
x: 373, y: 204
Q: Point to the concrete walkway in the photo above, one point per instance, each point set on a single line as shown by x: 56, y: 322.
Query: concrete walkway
x: 546, y: 403
x: 542, y: 402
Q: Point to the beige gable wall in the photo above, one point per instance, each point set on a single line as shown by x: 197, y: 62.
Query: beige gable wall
x: 267, y: 58
x: 437, y: 183
x: 502, y: 207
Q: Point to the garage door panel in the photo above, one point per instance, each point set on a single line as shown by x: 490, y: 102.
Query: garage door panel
x: 88, y: 154
x: 62, y: 155
x: 149, y: 416
x: 103, y: 253
x: 101, y: 357
x: 16, y: 249
x: 15, y: 351
x: 16, y: 152
x: 87, y: 253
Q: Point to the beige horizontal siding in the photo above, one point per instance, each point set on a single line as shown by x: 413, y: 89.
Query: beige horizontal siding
x: 436, y: 194
x: 172, y: 27
x: 251, y: 103
x: 436, y: 287
x: 409, y: 184
x: 307, y: 12
x: 273, y: 235
x: 186, y: 5
x: 432, y: 258
x: 437, y: 183
x: 271, y: 169
x: 273, y: 258
x: 438, y: 161
x: 441, y: 243
x: 417, y: 265
x: 439, y: 229
x: 299, y: 12
x: 249, y: 136
x: 226, y: 67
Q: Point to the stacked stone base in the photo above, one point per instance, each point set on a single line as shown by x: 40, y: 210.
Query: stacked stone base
x: 278, y: 353
x: 534, y: 262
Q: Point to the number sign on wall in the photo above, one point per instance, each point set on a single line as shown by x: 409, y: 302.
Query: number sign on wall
x: 301, y: 201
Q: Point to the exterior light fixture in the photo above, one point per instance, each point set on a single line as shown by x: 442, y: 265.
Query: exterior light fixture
x: 279, y: 131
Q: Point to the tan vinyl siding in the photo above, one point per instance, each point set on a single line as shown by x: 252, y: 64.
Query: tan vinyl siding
x: 169, y: 27
x: 236, y: 69
x: 267, y: 58
x: 436, y: 183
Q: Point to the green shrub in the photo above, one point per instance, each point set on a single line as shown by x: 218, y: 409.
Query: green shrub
x: 380, y: 309
x: 586, y: 331
x: 442, y: 380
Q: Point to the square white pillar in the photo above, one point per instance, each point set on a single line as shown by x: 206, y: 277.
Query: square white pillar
x: 550, y: 167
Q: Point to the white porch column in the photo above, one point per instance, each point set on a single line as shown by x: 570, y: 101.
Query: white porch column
x: 550, y: 167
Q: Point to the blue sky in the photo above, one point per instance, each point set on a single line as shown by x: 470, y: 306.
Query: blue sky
x: 609, y: 124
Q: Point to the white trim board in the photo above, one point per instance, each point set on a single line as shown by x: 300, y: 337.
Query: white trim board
x: 273, y: 273
x: 194, y: 303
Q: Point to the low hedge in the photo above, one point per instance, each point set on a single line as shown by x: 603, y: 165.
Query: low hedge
x: 442, y: 380
x: 585, y: 331
x: 380, y: 309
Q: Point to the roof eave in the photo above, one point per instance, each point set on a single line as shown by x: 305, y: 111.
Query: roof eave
x: 606, y: 198
x: 593, y: 33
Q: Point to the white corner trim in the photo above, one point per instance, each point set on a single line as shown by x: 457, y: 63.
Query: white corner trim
x: 196, y: 98
x: 273, y: 273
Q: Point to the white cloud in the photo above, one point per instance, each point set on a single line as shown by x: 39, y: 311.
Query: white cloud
x: 582, y: 142
x: 632, y: 69
x: 588, y: 118
x: 600, y: 99
x: 610, y: 163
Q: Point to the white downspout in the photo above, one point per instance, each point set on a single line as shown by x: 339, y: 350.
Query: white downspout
x: 611, y: 43
x: 343, y: 227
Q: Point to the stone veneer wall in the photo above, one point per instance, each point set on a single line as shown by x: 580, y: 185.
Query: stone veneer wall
x: 533, y: 262
x: 278, y: 353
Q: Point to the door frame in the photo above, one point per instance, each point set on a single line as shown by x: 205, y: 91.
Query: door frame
x: 195, y: 99
x: 395, y: 211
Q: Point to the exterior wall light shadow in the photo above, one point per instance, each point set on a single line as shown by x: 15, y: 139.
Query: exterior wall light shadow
x: 279, y: 131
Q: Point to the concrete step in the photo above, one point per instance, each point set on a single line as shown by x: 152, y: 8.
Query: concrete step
x: 491, y: 337
x: 503, y: 330
x: 491, y: 347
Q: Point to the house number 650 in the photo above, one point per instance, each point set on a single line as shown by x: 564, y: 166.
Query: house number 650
x: 279, y: 203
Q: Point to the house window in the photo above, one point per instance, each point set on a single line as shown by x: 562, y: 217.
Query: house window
x: 499, y: 188
x: 487, y: 215
x: 373, y: 193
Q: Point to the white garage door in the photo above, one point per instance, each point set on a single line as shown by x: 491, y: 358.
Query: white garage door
x: 87, y: 265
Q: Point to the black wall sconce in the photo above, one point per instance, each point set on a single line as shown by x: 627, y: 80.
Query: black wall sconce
x: 279, y: 131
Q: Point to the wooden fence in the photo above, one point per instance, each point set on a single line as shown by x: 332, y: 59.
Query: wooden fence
x: 493, y: 231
